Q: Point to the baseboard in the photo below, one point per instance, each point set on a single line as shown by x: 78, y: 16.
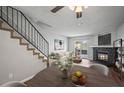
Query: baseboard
x: 26, y: 79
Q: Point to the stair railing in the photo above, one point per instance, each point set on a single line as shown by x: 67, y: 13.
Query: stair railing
x: 20, y: 23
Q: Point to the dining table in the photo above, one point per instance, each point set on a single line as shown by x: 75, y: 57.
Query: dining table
x: 52, y: 77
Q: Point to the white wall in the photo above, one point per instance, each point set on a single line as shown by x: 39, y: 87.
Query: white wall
x: 16, y: 60
x: 120, y: 32
x: 91, y: 41
x: 46, y: 32
x: 113, y: 37
x: 50, y: 37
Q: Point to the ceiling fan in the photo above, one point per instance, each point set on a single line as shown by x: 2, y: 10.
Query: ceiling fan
x: 77, y: 9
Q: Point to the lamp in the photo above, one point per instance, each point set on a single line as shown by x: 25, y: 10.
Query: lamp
x: 78, y: 10
x: 77, y: 48
x: 77, y: 45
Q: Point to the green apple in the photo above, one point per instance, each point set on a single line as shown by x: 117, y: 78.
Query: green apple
x: 74, y: 78
x: 78, y: 73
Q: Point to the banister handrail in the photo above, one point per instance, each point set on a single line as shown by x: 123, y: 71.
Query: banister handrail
x: 33, y: 36
x: 33, y: 25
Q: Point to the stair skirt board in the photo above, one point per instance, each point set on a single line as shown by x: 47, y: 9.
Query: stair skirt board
x: 27, y: 79
x: 22, y: 41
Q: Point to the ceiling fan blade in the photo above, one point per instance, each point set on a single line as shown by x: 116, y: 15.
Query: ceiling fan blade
x: 78, y: 14
x: 57, y: 8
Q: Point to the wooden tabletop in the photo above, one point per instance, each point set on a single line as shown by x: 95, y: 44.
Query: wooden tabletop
x: 52, y: 77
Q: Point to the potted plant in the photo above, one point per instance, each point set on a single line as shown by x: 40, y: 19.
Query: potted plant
x: 65, y: 64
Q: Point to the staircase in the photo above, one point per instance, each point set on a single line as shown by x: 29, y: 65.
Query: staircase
x: 21, y: 28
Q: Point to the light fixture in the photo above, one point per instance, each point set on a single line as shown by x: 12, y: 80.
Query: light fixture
x: 78, y: 10
x: 77, y: 45
x: 72, y: 8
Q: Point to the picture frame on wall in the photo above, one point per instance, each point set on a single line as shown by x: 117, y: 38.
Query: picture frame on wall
x: 58, y: 44
x: 104, y: 39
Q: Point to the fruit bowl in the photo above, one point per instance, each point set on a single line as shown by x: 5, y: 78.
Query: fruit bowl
x: 78, y: 78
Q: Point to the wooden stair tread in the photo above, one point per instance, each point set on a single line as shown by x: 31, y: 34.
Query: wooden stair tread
x: 6, y: 29
x: 36, y: 53
x: 23, y: 43
x: 40, y: 57
x: 15, y: 35
x: 30, y: 49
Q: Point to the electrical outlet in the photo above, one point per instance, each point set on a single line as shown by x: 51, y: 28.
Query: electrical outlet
x: 10, y: 75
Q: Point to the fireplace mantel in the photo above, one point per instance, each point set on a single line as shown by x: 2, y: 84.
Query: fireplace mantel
x: 102, y: 46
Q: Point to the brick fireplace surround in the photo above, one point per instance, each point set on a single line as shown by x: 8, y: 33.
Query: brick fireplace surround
x: 104, y: 55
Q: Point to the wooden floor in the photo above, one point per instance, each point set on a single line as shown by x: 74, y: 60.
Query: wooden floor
x: 113, y: 75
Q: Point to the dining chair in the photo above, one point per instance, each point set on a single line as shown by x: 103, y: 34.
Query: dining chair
x: 100, y: 68
x: 14, y: 84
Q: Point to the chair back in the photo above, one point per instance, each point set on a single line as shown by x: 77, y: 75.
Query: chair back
x: 100, y: 68
x: 14, y: 84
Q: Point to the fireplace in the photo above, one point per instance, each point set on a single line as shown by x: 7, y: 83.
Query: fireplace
x: 104, y: 55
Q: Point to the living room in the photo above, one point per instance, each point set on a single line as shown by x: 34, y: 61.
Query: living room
x: 92, y: 36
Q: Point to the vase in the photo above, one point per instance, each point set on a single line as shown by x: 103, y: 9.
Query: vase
x: 65, y: 74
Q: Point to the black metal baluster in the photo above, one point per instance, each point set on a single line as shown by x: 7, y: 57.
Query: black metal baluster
x: 34, y: 37
x: 31, y: 34
x: 25, y: 27
x: 47, y: 55
x: 21, y: 24
x: 47, y: 49
x: 1, y: 11
x: 43, y: 46
x: 17, y: 22
x: 7, y: 14
x: 39, y: 42
x: 12, y: 18
x: 37, y: 39
x: 28, y: 31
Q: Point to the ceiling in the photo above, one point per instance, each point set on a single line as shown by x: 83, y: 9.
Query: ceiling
x: 95, y: 19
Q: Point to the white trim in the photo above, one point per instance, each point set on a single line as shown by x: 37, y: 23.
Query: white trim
x: 102, y: 46
x: 26, y: 79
